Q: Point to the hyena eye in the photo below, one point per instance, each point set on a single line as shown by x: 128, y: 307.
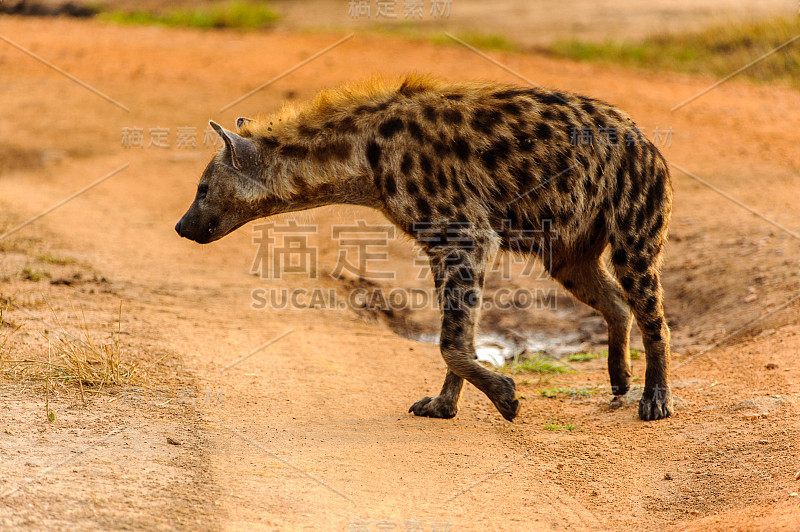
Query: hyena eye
x: 202, y: 190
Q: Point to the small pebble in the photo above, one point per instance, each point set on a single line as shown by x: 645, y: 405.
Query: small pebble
x: 797, y: 476
x: 667, y: 476
x: 173, y: 441
x: 793, y: 494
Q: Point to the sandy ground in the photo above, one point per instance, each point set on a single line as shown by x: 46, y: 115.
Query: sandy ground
x: 312, y: 431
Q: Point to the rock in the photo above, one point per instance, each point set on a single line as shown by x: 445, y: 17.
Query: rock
x: 761, y: 405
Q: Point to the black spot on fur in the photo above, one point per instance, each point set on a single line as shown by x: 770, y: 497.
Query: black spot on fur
x: 553, y: 98
x: 415, y: 131
x: 306, y: 131
x: 452, y: 116
x: 338, y: 149
x: 364, y: 109
x: 461, y: 147
x: 512, y: 93
x: 407, y: 164
x: 430, y: 185
x: 512, y: 108
x: 345, y: 125
x: 385, y: 105
x: 441, y: 177
x: 627, y: 283
x: 619, y: 257
x: 653, y: 328
x: 408, y: 90
x: 440, y: 148
x: 640, y: 264
x: 522, y: 177
x: 525, y: 143
x: 297, y: 151
x: 454, y: 97
x: 391, y: 127
x: 423, y: 207
x: 656, y: 229
x: 373, y: 154
x: 640, y: 216
x: 390, y: 185
x: 485, y: 120
x: 497, y: 152
x: 543, y: 131
x: 430, y: 113
x: 587, y: 106
x: 425, y: 164
x: 269, y: 143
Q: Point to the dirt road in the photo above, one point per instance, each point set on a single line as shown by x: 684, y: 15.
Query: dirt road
x: 312, y: 430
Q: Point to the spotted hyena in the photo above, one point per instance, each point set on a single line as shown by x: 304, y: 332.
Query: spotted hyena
x: 470, y: 169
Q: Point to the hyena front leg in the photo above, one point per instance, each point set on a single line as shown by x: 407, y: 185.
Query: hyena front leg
x: 459, y: 275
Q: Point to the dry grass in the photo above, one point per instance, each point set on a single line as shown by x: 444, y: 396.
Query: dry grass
x: 73, y: 362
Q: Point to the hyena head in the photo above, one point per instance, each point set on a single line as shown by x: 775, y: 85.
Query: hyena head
x: 231, y: 191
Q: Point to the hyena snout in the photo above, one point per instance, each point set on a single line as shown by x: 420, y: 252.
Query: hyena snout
x: 197, y: 228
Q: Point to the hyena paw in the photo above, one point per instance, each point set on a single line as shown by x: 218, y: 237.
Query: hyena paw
x: 619, y: 387
x: 506, y: 400
x: 655, y: 404
x: 434, y: 407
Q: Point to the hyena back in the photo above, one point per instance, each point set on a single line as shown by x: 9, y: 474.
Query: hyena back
x: 470, y: 169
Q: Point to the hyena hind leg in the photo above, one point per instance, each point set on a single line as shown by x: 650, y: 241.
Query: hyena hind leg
x: 591, y: 283
x: 641, y: 280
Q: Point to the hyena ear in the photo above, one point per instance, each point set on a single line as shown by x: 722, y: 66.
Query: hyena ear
x: 242, y: 152
x: 241, y: 121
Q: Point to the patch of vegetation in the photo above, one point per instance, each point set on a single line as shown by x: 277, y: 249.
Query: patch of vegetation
x: 717, y: 51
x: 53, y: 259
x: 585, y: 357
x: 482, y: 41
x: 538, y: 363
x: 74, y: 361
x: 33, y: 275
x: 557, y: 426
x: 232, y: 14
x: 556, y: 391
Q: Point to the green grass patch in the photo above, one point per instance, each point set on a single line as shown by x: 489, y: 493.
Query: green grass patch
x: 53, y: 259
x: 717, y: 51
x: 558, y: 391
x: 493, y: 42
x: 538, y: 363
x: 33, y: 275
x: 585, y: 357
x: 233, y: 14
x: 557, y: 426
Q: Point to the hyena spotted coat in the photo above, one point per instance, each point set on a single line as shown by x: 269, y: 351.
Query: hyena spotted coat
x: 469, y: 169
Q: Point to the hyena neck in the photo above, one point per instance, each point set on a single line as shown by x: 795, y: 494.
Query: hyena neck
x: 310, y: 167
